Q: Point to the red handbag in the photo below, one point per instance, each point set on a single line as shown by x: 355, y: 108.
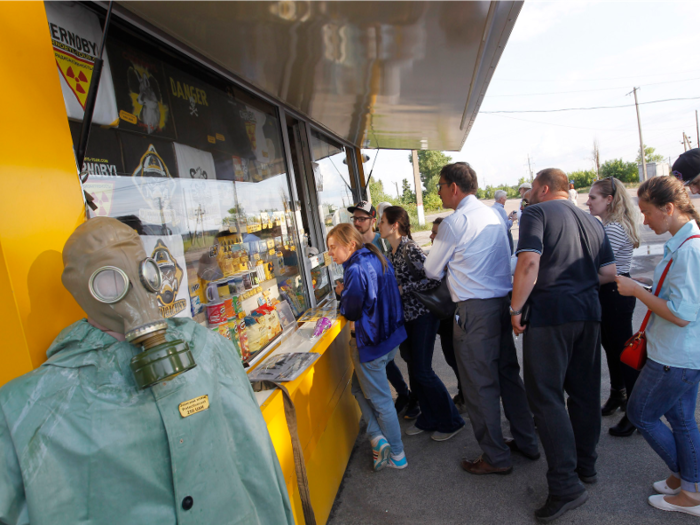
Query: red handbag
x: 634, y: 353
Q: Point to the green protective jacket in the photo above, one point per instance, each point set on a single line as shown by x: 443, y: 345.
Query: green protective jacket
x: 80, y: 444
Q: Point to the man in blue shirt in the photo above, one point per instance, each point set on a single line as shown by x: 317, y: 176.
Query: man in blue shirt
x: 364, y: 218
x: 472, y: 247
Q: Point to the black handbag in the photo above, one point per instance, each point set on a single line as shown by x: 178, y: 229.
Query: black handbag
x: 438, y: 300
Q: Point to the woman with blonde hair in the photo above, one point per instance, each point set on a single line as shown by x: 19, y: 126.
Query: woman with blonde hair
x: 668, y: 383
x: 369, y: 296
x: 609, y: 200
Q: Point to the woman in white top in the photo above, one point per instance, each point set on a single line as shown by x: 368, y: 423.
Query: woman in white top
x: 608, y: 199
x: 573, y: 194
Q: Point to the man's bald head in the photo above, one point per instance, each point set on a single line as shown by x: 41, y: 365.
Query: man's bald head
x: 550, y: 183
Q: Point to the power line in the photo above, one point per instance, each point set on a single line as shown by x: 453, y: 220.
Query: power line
x: 590, y: 90
x: 592, y: 79
x: 590, y: 108
x: 552, y: 124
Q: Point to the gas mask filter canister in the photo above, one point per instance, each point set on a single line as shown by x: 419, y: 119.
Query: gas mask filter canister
x: 108, y: 273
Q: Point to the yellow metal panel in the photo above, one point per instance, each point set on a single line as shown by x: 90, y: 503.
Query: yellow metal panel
x: 40, y: 199
x: 327, y: 420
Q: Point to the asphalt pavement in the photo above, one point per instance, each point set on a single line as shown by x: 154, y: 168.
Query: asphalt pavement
x: 435, y: 490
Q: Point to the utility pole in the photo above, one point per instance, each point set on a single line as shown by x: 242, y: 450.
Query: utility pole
x: 641, y: 140
x: 418, y: 187
x: 529, y: 168
x: 397, y: 190
x: 686, y: 142
x: 596, y: 158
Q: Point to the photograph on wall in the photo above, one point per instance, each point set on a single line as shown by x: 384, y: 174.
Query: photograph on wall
x: 76, y: 35
x: 141, y: 91
x: 168, y: 252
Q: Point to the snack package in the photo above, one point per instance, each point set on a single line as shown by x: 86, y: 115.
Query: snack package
x: 322, y: 325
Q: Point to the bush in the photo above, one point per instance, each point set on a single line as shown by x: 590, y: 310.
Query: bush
x: 621, y: 170
x: 582, y: 178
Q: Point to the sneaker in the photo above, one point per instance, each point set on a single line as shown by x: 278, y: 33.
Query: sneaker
x: 590, y: 478
x: 413, y: 430
x: 380, y: 453
x: 398, y: 462
x: 412, y: 412
x: 444, y: 436
x: 556, y: 506
x: 401, y: 403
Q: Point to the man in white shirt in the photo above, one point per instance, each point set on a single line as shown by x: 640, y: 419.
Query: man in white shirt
x: 472, y: 246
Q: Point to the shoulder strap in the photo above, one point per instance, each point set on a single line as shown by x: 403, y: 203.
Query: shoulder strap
x: 661, y: 283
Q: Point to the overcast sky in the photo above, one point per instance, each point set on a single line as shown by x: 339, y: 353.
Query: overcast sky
x: 580, y: 54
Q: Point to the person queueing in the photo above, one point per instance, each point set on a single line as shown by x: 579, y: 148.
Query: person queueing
x: 369, y: 296
x: 438, y: 413
x: 668, y: 383
x: 446, y: 333
x: 364, y: 218
x: 608, y: 199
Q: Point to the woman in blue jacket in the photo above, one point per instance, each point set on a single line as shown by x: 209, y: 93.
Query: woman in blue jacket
x: 370, y: 297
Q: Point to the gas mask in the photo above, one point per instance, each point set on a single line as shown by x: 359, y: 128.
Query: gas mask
x: 110, y: 276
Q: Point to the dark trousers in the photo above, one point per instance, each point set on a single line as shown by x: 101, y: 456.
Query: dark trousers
x: 615, y: 330
x: 393, y: 374
x: 558, y: 359
x: 490, y: 373
x: 438, y: 412
x: 446, y: 333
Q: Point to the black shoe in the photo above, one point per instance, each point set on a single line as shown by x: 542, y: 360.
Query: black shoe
x: 589, y: 479
x: 412, y: 412
x: 617, y: 399
x: 512, y: 445
x: 556, y: 506
x: 623, y: 429
x: 401, y: 403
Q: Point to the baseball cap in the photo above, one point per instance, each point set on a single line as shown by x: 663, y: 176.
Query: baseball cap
x: 525, y: 185
x: 687, y: 166
x: 383, y: 206
x: 365, y: 207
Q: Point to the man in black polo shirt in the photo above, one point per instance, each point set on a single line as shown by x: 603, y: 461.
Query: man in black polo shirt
x: 563, y: 257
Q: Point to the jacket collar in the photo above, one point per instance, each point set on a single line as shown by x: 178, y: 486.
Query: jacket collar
x: 688, y: 229
x: 355, y: 257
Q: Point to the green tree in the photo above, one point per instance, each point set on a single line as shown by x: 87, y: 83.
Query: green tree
x: 650, y: 155
x: 429, y: 165
x: 408, y: 196
x: 621, y: 170
x: 376, y: 190
x: 582, y: 178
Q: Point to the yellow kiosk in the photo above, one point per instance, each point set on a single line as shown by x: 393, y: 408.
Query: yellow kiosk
x: 228, y: 135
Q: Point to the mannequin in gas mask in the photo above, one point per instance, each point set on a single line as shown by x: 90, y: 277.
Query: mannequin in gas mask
x: 134, y: 419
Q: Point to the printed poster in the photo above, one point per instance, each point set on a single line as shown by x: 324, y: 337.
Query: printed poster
x: 199, y: 188
x: 103, y: 157
x: 153, y: 171
x: 76, y: 35
x: 141, y: 91
x: 169, y: 253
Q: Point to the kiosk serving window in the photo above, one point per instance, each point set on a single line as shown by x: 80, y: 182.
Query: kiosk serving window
x: 197, y: 167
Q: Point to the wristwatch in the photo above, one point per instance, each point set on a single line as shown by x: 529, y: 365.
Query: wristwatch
x: 515, y: 312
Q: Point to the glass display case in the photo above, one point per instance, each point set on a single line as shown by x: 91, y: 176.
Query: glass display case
x: 198, y: 168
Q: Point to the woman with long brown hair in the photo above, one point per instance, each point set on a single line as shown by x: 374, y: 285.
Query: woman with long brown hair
x: 608, y: 199
x: 438, y: 413
x: 369, y: 296
x: 668, y: 384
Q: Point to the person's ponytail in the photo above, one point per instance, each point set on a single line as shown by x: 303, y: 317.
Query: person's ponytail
x: 371, y: 247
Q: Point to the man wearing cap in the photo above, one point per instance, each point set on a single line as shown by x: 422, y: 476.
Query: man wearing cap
x: 523, y: 189
x: 364, y: 217
x: 687, y: 169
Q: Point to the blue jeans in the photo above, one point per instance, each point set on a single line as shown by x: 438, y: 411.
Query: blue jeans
x: 672, y: 392
x: 437, y: 410
x: 371, y: 390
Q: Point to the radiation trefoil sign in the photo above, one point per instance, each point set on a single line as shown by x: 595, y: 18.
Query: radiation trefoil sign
x: 76, y: 69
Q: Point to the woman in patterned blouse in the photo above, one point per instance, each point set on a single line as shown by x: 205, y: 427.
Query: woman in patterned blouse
x: 438, y: 412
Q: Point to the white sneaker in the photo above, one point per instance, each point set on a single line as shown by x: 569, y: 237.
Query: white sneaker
x: 413, y: 430
x: 662, y: 488
x: 659, y: 502
x: 397, y: 463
